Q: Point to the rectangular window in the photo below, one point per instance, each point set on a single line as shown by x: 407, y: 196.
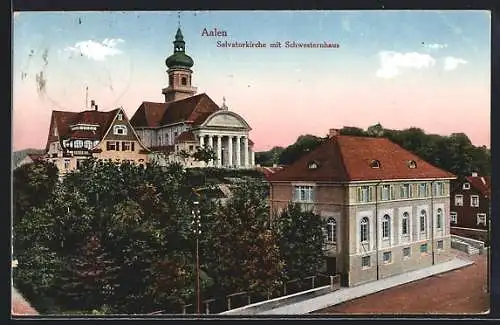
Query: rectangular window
x: 466, y: 186
x: 387, y: 256
x: 405, y: 191
x: 474, y: 201
x: 119, y: 117
x: 422, y: 190
x: 385, y: 192
x: 126, y: 146
x: 423, y: 248
x: 481, y: 218
x: 66, y: 163
x: 191, y: 148
x: 79, y: 163
x: 111, y: 145
x: 364, y: 194
x: 304, y: 193
x: 453, y: 217
x: 459, y: 200
x: 439, y: 189
x: 406, y: 252
x: 365, y: 261
x: 440, y: 244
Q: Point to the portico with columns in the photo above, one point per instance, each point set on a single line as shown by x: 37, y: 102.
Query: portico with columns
x: 226, y: 133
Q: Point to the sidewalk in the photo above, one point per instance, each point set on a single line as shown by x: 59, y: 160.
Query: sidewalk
x: 346, y: 294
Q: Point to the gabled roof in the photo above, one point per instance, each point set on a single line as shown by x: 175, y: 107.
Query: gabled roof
x: 194, y: 110
x: 64, y: 120
x: 481, y: 183
x: 349, y: 158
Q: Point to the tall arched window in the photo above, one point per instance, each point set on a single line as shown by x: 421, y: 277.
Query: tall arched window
x: 364, y: 230
x: 423, y: 221
x: 439, y: 218
x: 184, y: 81
x: 405, y: 224
x: 386, y: 227
x: 331, y: 226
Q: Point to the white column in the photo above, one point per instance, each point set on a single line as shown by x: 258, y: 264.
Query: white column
x: 219, y: 151
x: 202, y: 140
x: 253, y: 159
x: 238, y: 152
x: 211, y: 145
x: 230, y: 151
x: 245, y: 151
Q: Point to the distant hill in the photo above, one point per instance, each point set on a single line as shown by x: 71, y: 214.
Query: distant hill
x: 18, y: 156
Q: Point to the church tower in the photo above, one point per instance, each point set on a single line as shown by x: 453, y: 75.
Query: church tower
x: 179, y: 72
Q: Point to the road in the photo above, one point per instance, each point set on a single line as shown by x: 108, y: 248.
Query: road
x: 461, y: 291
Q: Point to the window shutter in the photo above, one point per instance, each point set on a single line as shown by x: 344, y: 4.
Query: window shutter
x: 132, y: 145
x: 107, y: 145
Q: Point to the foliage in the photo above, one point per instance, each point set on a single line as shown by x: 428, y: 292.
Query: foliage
x: 245, y: 253
x: 300, y: 241
x: 32, y: 185
x: 269, y: 158
x: 204, y: 154
x: 303, y: 145
x: 454, y: 153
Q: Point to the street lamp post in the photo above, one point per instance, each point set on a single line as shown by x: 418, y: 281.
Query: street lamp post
x: 196, y: 223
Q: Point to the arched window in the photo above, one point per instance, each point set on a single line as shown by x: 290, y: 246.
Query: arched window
x: 423, y: 221
x: 386, y: 227
x: 364, y: 230
x: 331, y: 226
x: 120, y: 130
x: 404, y: 223
x: 184, y: 81
x: 375, y: 164
x: 439, y: 218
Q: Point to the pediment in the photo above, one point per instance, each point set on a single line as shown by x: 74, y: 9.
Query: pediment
x: 226, y: 119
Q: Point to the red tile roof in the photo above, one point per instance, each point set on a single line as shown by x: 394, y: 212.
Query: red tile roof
x: 186, y: 136
x: 64, y: 120
x: 348, y: 158
x: 268, y: 171
x: 482, y: 183
x: 193, y: 110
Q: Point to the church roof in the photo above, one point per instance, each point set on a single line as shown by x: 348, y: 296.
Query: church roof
x: 193, y: 110
x: 350, y: 158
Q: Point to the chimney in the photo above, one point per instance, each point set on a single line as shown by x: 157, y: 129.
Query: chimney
x: 333, y: 133
x: 474, y: 174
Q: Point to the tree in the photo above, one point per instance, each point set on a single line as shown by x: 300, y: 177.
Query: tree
x: 300, y: 241
x: 303, y: 145
x: 90, y: 277
x: 245, y: 250
x: 376, y: 130
x: 204, y: 154
x: 32, y: 186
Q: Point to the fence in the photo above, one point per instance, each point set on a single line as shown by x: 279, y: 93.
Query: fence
x: 244, y: 298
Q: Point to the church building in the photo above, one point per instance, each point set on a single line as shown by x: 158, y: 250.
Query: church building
x: 174, y: 129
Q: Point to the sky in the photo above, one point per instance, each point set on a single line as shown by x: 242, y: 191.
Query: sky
x: 426, y: 69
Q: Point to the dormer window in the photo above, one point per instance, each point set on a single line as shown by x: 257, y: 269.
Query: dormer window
x: 120, y: 130
x: 184, y: 81
x: 412, y: 164
x: 466, y: 186
x: 312, y: 165
x: 119, y: 117
x: 375, y: 164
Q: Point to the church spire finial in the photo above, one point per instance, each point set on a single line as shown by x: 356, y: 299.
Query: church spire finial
x: 178, y: 19
x: 224, y: 107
